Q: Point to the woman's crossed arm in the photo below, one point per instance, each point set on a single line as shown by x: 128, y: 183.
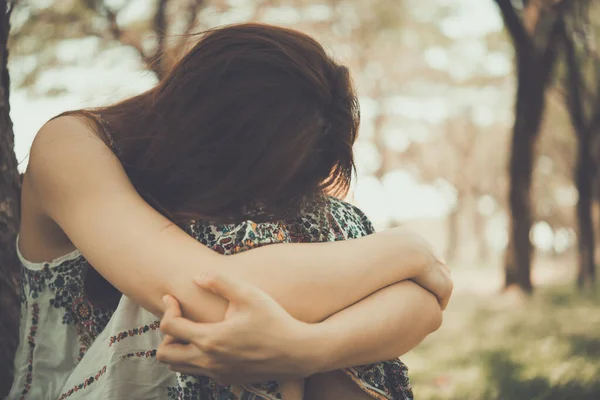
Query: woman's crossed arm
x: 80, y: 185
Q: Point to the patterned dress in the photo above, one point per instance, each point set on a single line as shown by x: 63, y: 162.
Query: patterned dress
x: 70, y: 349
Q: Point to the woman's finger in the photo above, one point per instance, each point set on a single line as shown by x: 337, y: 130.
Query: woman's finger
x: 172, y: 309
x: 169, y: 340
x: 181, y: 328
x: 178, y: 353
x: 172, y: 324
x: 230, y: 289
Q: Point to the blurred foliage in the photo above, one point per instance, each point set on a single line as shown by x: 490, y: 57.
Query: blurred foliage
x: 400, y: 52
x: 543, y: 348
x: 436, y: 104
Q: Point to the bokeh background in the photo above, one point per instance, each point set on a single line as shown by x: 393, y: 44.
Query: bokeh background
x: 480, y: 129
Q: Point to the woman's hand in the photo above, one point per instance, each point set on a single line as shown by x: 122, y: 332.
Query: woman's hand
x: 257, y: 341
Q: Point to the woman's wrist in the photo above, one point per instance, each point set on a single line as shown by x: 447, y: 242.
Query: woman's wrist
x: 312, y: 349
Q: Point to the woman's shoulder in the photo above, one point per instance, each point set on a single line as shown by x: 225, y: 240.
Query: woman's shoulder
x: 71, y: 173
x: 61, y: 137
x: 63, y: 146
x: 40, y: 237
x: 66, y: 124
x: 79, y: 124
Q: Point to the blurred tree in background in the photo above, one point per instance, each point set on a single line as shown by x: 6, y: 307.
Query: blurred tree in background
x: 535, y: 40
x: 537, y: 36
x: 582, y: 82
x: 436, y: 99
x: 46, y: 26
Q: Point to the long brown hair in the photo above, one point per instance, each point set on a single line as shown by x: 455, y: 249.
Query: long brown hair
x: 250, y: 123
x: 253, y: 122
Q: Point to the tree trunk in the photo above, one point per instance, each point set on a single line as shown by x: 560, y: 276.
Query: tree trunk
x: 596, y: 216
x: 529, y: 110
x: 584, y: 179
x: 518, y: 257
x: 585, y: 170
x: 535, y: 65
x: 9, y: 218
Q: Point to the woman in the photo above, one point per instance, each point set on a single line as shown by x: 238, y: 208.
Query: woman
x: 250, y: 128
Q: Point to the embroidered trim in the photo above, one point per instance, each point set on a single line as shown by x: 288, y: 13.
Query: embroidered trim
x: 134, y: 332
x: 141, y: 354
x: 35, y: 315
x: 65, y: 284
x: 38, y: 266
x: 92, y: 379
x: 83, y: 385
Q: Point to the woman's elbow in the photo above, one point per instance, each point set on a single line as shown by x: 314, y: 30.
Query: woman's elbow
x: 430, y: 312
x: 436, y: 318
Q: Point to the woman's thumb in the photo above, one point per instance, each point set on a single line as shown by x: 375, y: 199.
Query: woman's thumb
x: 229, y: 288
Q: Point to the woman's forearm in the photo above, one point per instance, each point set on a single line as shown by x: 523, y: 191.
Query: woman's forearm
x: 311, y: 281
x: 383, y: 326
x: 83, y: 188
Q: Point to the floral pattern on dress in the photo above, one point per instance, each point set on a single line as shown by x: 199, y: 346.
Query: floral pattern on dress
x: 384, y: 380
x: 331, y: 220
x: 134, y: 332
x: 189, y: 387
x: 203, y: 388
x: 63, y: 289
x: 35, y: 315
x: 139, y: 354
x: 65, y: 281
x: 84, y: 384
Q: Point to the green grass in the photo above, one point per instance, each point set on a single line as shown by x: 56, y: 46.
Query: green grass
x: 499, y: 348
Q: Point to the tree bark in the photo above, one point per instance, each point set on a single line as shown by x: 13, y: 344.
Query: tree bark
x: 160, y: 60
x: 534, y: 69
x: 584, y: 179
x: 518, y: 260
x: 585, y: 128
x: 10, y: 184
x: 529, y: 109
